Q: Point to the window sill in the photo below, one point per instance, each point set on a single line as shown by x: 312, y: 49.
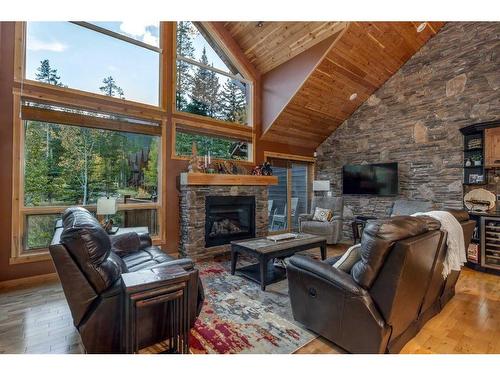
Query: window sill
x: 39, y: 256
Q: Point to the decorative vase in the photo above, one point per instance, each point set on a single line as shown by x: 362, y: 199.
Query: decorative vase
x: 468, y: 163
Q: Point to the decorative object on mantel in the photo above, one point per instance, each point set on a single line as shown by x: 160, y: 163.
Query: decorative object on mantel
x: 194, y: 162
x: 266, y: 169
x: 225, y: 167
x: 479, y: 200
x: 262, y: 170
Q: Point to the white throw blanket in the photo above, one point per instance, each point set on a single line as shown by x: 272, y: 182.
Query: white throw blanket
x: 455, y: 256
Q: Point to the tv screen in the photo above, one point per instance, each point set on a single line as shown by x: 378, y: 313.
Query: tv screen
x: 370, y: 179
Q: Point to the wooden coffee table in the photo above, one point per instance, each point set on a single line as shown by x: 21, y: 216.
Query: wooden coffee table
x: 265, y: 250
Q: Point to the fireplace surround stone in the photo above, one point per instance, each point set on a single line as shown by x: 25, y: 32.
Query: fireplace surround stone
x: 192, y: 216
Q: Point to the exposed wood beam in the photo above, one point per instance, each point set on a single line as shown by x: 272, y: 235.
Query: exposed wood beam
x: 232, y: 49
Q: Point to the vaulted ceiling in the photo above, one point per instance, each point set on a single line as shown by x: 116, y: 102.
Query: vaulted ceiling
x: 270, y: 44
x: 360, y: 57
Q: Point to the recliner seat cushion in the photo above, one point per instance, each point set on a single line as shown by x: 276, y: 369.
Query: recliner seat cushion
x: 378, y: 239
x: 90, y: 247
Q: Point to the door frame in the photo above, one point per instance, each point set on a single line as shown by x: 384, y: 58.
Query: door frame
x: 290, y: 159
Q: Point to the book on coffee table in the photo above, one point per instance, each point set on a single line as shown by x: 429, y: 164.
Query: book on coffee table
x: 282, y: 237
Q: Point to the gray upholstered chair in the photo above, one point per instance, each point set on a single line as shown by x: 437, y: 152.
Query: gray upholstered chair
x: 332, y: 230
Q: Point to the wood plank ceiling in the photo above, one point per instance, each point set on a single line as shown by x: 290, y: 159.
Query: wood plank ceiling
x: 365, y: 56
x: 273, y: 43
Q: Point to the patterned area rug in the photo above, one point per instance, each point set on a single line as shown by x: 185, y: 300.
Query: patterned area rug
x: 238, y: 317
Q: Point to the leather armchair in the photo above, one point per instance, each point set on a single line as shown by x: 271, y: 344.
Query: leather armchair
x: 89, y: 264
x: 389, y: 293
x: 332, y: 229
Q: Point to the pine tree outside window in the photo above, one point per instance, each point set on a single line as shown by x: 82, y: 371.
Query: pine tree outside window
x: 207, y: 83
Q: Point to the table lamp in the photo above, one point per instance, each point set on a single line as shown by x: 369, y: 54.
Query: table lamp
x: 107, y: 206
x: 321, y: 185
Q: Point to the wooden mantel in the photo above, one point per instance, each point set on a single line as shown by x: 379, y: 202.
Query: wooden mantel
x: 226, y: 179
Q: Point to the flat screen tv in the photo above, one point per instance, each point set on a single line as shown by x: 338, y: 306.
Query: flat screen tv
x: 370, y: 179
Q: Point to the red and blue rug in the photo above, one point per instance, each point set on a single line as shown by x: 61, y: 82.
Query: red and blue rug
x: 237, y: 317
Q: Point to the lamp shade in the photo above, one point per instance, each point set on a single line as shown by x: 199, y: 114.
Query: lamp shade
x: 321, y: 185
x: 106, y: 206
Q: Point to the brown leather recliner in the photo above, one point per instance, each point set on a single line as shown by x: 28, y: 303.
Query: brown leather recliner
x: 378, y: 306
x: 89, y: 264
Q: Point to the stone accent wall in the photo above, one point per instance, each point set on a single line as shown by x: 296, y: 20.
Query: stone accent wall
x: 415, y: 117
x: 192, y: 217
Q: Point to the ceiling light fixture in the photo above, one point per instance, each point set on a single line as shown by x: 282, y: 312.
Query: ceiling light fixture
x: 260, y: 24
x: 421, y: 27
x: 353, y: 96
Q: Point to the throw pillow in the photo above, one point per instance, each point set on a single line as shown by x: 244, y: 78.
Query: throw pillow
x: 350, y: 257
x: 322, y: 214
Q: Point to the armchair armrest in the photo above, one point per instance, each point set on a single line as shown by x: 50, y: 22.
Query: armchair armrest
x: 305, y: 217
x: 185, y: 263
x: 126, y: 243
x: 145, y: 239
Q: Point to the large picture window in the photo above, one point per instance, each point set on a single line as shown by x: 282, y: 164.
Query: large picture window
x: 207, y: 83
x: 109, y: 58
x: 71, y: 165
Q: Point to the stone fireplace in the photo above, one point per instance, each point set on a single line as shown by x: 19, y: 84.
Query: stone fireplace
x: 212, y: 215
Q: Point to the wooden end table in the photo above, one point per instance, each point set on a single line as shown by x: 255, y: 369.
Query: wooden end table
x: 265, y: 250
x: 167, y: 285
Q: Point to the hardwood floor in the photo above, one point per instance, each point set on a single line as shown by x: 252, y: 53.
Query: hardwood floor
x: 35, y: 318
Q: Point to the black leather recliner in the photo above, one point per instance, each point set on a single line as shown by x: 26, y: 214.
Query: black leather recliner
x: 89, y: 263
x: 389, y: 294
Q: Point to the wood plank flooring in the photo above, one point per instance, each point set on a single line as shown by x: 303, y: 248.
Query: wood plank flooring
x: 36, y: 319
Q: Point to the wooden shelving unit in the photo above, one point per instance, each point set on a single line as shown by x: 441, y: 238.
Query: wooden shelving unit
x: 226, y: 179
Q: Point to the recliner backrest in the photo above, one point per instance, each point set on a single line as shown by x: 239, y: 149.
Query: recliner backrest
x: 379, y: 238
x: 90, y: 247
x: 403, y: 280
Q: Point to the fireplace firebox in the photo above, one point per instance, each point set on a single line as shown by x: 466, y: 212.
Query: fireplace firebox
x: 228, y: 218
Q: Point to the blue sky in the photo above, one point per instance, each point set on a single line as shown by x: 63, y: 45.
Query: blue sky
x: 83, y: 58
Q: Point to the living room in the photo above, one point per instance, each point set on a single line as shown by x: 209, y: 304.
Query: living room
x: 250, y: 187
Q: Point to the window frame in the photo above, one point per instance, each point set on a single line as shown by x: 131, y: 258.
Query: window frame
x: 213, y: 131
x: 20, y: 61
x: 288, y: 160
x: 25, y: 89
x: 19, y: 253
x: 246, y: 78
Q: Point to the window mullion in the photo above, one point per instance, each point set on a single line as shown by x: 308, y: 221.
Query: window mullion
x: 116, y: 35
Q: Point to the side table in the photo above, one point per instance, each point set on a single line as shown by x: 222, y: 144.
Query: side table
x: 358, y: 225
x: 167, y: 285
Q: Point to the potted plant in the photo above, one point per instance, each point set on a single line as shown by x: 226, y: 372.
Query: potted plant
x: 477, y: 160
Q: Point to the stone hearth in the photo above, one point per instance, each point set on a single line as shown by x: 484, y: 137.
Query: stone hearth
x: 192, y: 216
